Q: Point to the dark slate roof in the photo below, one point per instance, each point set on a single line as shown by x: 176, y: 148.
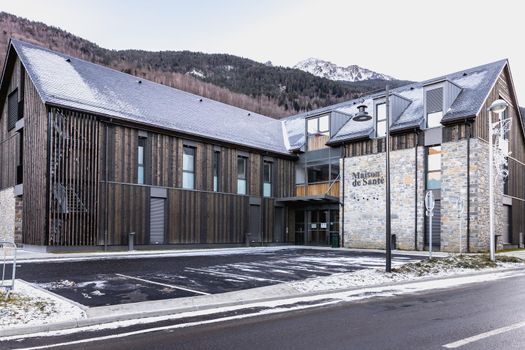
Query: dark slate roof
x: 74, y: 83
x: 475, y: 84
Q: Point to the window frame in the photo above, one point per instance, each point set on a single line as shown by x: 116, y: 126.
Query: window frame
x: 185, y: 171
x: 382, y: 120
x: 270, y: 178
x: 429, y: 172
x: 242, y: 178
x: 141, y: 163
x: 216, y: 171
x: 427, y: 114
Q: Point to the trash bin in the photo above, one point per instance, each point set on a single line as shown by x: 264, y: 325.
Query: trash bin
x: 334, y: 239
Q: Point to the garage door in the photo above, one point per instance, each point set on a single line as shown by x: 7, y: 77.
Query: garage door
x: 157, y: 229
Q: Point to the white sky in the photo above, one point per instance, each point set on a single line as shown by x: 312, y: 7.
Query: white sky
x: 407, y: 39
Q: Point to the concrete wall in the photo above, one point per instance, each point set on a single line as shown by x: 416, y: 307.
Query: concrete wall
x: 7, y: 214
x: 364, y: 201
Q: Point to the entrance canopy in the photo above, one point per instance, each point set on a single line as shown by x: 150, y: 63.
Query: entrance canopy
x: 317, y: 199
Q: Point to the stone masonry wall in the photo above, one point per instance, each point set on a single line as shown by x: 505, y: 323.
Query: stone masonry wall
x: 479, y: 193
x: 364, y: 201
x: 7, y: 214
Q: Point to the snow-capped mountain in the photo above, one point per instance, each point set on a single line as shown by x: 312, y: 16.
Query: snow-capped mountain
x: 332, y: 71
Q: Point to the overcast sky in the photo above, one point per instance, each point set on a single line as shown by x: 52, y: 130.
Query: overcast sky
x: 413, y: 40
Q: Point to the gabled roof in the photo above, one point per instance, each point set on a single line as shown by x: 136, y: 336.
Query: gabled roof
x: 62, y: 80
x: 475, y: 84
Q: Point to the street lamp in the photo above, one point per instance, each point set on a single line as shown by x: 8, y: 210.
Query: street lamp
x: 497, y: 107
x: 363, y: 116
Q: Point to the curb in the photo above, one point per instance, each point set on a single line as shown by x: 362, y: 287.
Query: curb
x: 243, y: 298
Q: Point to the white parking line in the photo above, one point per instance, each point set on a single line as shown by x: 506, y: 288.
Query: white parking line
x: 480, y: 336
x: 211, y: 272
x: 162, y: 284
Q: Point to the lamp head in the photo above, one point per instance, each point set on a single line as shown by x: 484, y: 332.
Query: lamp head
x: 362, y: 115
x: 498, y: 106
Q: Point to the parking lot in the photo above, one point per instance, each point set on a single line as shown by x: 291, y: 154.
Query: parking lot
x: 128, y: 280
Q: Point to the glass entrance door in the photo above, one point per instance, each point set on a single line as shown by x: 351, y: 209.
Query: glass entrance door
x: 318, y: 227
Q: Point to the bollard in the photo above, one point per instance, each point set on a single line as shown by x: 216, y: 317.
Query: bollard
x: 131, y: 241
x: 248, y: 239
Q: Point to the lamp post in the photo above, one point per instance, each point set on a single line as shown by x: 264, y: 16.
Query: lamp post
x: 363, y: 116
x: 497, y: 107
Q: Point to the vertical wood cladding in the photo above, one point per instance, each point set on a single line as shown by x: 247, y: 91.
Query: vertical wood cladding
x: 34, y: 222
x: 73, y: 184
x: 163, y: 163
x: 373, y: 146
x: 198, y: 216
x: 9, y: 141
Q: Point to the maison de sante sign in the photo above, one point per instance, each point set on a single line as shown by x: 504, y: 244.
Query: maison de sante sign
x: 367, y: 178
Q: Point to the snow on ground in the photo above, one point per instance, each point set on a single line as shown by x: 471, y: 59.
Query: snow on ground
x: 28, y: 306
x: 435, y: 268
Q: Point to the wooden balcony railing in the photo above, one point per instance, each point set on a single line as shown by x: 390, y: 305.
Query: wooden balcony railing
x: 330, y: 188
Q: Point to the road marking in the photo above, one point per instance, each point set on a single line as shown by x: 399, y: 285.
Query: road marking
x: 295, y: 268
x: 176, y: 326
x: 480, y: 336
x: 211, y: 272
x: 162, y: 284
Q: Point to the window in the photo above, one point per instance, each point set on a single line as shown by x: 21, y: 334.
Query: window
x: 188, y: 167
x: 20, y: 160
x: 334, y: 170
x: 318, y: 173
x: 12, y: 109
x: 433, y: 167
x: 140, y: 160
x: 216, y: 165
x: 242, y: 163
x: 381, y: 120
x: 434, y: 103
x: 505, y: 116
x: 318, y: 130
x: 267, y: 179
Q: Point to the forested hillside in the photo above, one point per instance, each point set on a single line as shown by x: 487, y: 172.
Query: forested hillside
x: 263, y: 88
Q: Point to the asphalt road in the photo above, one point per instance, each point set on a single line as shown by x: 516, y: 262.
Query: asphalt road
x: 119, y: 281
x: 419, y: 321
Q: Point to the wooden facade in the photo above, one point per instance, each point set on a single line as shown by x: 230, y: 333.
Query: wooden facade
x: 80, y: 179
x: 503, y: 89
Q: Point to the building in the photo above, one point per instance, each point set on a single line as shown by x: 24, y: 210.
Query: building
x: 90, y: 155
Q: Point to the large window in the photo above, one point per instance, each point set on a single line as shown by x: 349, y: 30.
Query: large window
x: 433, y: 167
x: 318, y: 173
x: 140, y: 160
x: 188, y: 168
x: 242, y: 170
x: 267, y: 180
x: 216, y: 167
x: 434, y: 101
x: 318, y: 130
x: 381, y: 120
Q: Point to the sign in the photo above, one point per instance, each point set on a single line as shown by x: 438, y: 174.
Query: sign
x: 429, y: 205
x: 323, y: 225
x: 367, y: 178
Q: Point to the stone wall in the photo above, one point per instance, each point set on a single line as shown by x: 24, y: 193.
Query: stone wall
x: 364, y: 202
x: 7, y: 214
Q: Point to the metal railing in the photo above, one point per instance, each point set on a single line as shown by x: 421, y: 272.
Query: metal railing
x: 7, y: 247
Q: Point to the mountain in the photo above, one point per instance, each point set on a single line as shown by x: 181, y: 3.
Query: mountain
x: 329, y: 70
x: 260, y: 87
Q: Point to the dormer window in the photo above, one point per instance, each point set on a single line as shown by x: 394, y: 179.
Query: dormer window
x: 381, y: 119
x: 318, y: 129
x: 434, y: 103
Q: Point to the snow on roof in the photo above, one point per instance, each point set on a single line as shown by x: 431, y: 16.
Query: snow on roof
x: 74, y: 83
x: 475, y: 84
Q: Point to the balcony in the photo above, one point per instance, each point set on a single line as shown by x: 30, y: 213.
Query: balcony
x: 330, y: 188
